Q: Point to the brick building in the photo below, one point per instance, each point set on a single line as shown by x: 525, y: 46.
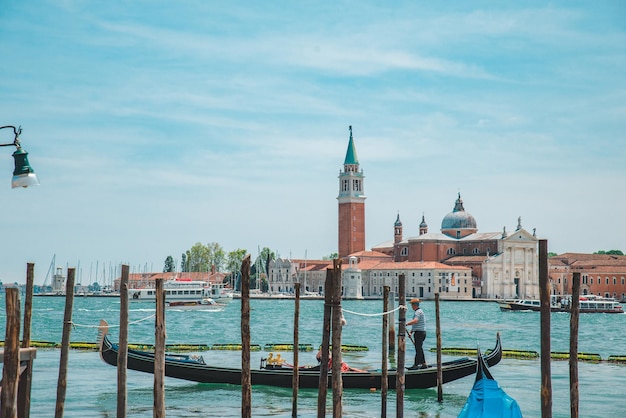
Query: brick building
x: 600, y: 274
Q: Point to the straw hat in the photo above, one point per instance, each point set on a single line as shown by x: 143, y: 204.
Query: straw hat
x: 415, y: 300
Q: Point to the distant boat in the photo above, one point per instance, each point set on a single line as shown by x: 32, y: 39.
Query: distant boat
x: 201, y: 304
x: 587, y: 304
x: 183, y: 289
x: 487, y: 399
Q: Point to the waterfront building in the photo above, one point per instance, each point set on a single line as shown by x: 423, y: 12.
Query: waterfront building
x: 600, y: 274
x: 311, y: 274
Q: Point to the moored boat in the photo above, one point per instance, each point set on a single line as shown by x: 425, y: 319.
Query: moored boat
x: 586, y: 304
x: 194, y: 368
x: 183, y: 290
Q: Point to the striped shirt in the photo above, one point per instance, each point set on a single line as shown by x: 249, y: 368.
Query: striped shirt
x: 419, y: 325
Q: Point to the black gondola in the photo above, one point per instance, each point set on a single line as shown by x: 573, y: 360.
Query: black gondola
x: 194, y: 369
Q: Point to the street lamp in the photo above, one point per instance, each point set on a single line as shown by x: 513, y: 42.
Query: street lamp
x: 23, y: 175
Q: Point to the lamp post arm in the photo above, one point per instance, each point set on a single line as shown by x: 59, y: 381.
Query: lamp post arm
x: 17, y: 132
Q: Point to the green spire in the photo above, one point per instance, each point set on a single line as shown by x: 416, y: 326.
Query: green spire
x: 351, y: 157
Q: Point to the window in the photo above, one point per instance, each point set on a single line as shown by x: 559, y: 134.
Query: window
x: 476, y: 251
x: 405, y: 251
x: 451, y: 251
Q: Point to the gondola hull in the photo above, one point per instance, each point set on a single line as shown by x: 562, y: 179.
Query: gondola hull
x: 187, y: 368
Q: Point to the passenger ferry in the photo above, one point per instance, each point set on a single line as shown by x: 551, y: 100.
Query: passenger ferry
x: 184, y: 290
x: 586, y: 304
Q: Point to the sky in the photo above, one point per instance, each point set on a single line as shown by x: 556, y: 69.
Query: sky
x: 154, y: 125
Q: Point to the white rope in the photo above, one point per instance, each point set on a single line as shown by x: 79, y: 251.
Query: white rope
x: 376, y: 314
x: 112, y: 326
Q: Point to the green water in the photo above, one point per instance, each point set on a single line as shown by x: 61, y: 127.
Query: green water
x: 91, y: 385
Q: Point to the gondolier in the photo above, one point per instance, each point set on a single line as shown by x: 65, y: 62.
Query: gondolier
x: 418, y: 333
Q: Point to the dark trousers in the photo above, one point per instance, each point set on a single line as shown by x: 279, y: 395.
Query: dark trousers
x: 418, y: 340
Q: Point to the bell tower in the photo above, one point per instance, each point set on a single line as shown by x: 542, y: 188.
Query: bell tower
x: 351, y: 204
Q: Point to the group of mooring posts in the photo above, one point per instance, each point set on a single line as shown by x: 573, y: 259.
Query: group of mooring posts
x: 17, y: 371
x: 546, y: 373
x: 18, y: 362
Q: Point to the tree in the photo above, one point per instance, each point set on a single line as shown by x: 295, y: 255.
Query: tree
x: 169, y: 265
x: 550, y: 254
x: 184, y: 266
x: 261, y: 266
x: 198, y: 258
x: 217, y: 255
x: 610, y: 252
x: 330, y: 256
x: 233, y: 264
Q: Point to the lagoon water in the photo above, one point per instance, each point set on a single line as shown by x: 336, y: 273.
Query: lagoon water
x: 91, y: 384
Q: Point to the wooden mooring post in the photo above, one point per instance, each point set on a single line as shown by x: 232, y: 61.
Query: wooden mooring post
x: 391, y: 300
x: 246, y: 379
x: 544, y: 297
x: 400, y: 374
x: 384, y: 383
x: 159, y: 352
x: 28, y: 304
x: 295, y: 382
x: 65, y: 343
x: 438, y: 334
x: 322, y: 389
x: 11, y: 358
x: 573, y: 345
x: 336, y: 338
x: 26, y: 377
x: 122, y: 353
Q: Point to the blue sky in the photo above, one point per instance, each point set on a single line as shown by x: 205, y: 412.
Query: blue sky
x: 154, y: 125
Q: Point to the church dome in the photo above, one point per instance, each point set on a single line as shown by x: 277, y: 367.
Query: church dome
x: 458, y: 219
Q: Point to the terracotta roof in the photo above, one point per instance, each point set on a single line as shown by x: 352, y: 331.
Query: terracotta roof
x: 467, y: 259
x: 416, y: 265
x: 203, y: 276
x: 369, y: 254
x: 405, y: 265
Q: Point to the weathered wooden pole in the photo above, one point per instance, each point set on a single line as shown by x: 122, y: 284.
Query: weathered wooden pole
x: 438, y: 334
x: 384, y: 376
x: 573, y: 345
x: 323, y: 382
x: 160, y: 335
x: 400, y: 374
x: 26, y: 378
x: 65, y: 343
x: 544, y: 296
x: 11, y: 368
x: 391, y: 298
x: 295, y: 382
x: 122, y: 353
x: 28, y: 304
x: 246, y: 378
x: 336, y: 327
